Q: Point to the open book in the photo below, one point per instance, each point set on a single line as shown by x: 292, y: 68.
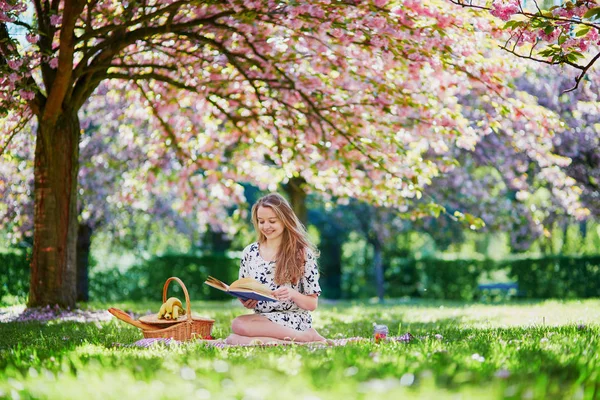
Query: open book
x: 244, y: 288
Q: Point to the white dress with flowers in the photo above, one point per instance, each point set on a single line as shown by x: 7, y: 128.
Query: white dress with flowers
x: 286, y: 313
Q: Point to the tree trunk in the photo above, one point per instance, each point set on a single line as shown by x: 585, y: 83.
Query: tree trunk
x: 53, y: 263
x: 84, y: 242
x: 330, y: 262
x: 565, y: 242
x: 218, y: 242
x: 583, y: 232
x: 298, y: 198
x: 378, y: 268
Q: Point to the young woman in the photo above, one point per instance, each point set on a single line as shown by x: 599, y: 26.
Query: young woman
x: 285, y: 260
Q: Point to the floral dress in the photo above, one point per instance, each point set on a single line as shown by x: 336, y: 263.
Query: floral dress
x: 286, y: 313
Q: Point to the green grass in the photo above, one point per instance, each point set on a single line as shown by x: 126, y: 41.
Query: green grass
x: 533, y: 350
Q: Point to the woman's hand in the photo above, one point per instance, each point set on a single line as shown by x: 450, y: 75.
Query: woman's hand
x: 285, y: 294
x: 250, y: 304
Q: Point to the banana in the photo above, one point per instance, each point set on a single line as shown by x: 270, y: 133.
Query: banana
x: 169, y: 307
x: 162, y: 311
x: 176, y: 311
x: 173, y: 301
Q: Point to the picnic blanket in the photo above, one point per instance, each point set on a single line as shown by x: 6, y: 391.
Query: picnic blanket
x: 220, y: 343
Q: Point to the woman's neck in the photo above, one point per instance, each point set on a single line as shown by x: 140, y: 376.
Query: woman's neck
x: 272, y: 244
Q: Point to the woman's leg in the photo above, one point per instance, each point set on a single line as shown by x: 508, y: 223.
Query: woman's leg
x: 254, y: 325
x: 237, y: 339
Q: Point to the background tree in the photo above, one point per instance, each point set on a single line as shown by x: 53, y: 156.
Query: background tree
x: 122, y: 190
x: 348, y: 96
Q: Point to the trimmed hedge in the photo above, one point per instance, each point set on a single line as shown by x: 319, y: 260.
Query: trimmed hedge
x: 145, y: 281
x: 541, y: 278
x: 435, y: 278
x: 14, y: 274
x: 560, y: 277
x: 548, y: 277
x: 451, y: 279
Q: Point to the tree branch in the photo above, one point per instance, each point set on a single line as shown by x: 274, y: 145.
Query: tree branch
x: 529, y: 15
x: 7, y: 47
x: 541, y: 16
x: 541, y: 60
x: 108, y: 49
x: 62, y: 81
x: 16, y: 130
x: 101, y: 32
x: 167, y: 128
x: 583, y: 72
x: 149, y: 76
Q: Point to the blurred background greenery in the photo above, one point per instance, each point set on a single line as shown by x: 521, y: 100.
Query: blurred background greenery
x: 418, y: 260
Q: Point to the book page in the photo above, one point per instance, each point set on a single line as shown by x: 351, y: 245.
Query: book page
x: 251, y: 284
x: 217, y: 284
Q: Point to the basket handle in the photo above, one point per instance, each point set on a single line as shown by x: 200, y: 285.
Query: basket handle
x: 185, y: 292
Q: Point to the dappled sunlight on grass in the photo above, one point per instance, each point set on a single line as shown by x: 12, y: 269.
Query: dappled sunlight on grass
x: 546, y: 349
x: 469, y: 315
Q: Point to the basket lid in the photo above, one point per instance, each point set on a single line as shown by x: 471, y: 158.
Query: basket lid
x: 153, y: 319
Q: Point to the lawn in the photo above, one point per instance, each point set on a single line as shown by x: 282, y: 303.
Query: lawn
x: 533, y: 350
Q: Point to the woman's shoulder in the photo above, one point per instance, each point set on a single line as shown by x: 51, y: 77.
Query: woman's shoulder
x: 310, y: 254
x: 251, y: 248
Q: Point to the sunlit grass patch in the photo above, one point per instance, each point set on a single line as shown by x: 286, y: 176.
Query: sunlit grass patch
x: 533, y: 350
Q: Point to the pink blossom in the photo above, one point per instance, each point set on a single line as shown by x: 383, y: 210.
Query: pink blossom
x: 27, y: 95
x: 564, y: 12
x: 14, y: 77
x: 377, y: 41
x: 592, y: 35
x: 296, y: 23
x: 15, y: 64
x: 251, y: 4
x: 337, y: 33
x: 53, y: 63
x: 32, y: 38
x: 380, y: 3
x: 504, y: 9
x: 56, y: 20
x: 316, y: 11
x: 376, y: 22
x: 5, y: 18
x: 550, y: 37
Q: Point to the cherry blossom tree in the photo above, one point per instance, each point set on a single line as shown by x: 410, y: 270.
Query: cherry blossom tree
x: 118, y: 182
x: 567, y: 33
x: 347, y: 95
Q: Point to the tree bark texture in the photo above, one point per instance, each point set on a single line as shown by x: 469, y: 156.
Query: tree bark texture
x: 330, y: 262
x: 53, y: 265
x: 84, y: 243
x: 298, y: 198
x: 378, y: 269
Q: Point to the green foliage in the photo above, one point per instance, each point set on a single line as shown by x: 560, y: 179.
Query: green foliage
x: 547, y: 277
x: 592, y: 13
x: 460, y: 350
x: 357, y: 279
x: 436, y: 278
x: 145, y: 281
x: 559, y: 277
x: 402, y: 278
x: 14, y: 275
x: 451, y: 279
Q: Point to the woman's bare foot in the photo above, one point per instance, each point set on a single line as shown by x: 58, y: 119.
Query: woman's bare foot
x: 311, y: 335
x: 243, y: 340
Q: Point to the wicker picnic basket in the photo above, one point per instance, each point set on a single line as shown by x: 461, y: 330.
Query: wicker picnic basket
x: 192, y: 327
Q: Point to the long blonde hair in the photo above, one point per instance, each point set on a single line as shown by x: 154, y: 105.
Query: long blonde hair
x: 290, y: 257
